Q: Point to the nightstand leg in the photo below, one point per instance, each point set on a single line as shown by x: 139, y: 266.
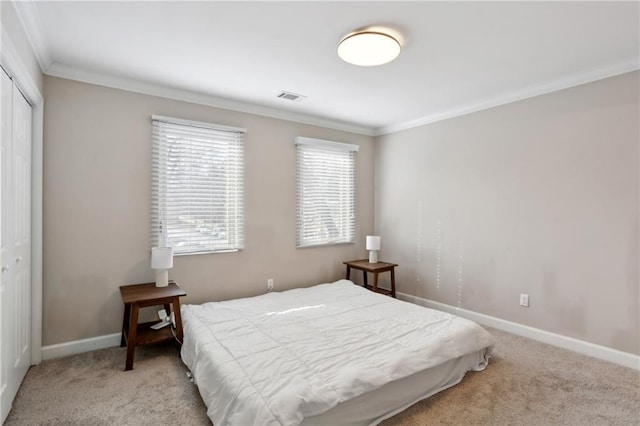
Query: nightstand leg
x: 348, y: 272
x: 125, y: 324
x: 393, y: 283
x: 178, y: 315
x: 364, y: 277
x: 375, y: 282
x: 131, y: 337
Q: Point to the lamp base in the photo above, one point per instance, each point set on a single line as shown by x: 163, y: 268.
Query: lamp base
x: 162, y: 277
x: 373, y: 256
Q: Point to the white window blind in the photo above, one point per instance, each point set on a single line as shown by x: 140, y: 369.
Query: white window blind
x: 198, y: 186
x: 326, y: 192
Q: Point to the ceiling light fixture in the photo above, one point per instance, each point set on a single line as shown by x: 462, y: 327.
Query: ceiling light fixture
x: 368, y: 48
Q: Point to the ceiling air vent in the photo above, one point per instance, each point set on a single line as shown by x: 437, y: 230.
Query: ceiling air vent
x: 290, y: 96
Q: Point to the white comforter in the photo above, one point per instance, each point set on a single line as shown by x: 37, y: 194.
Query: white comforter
x: 278, y: 358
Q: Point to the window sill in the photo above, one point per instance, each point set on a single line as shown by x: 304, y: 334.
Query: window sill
x: 325, y: 244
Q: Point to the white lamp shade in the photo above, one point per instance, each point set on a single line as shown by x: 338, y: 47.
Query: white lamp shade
x: 373, y: 242
x: 161, y: 258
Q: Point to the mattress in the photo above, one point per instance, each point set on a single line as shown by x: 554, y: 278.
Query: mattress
x: 328, y: 354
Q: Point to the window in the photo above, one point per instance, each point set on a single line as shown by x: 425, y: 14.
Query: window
x: 197, y: 186
x: 326, y: 192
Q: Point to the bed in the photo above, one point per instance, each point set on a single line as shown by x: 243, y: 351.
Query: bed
x: 333, y: 353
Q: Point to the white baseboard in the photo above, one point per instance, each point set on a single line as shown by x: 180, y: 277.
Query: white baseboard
x: 597, y: 351
x: 590, y: 349
x: 80, y: 346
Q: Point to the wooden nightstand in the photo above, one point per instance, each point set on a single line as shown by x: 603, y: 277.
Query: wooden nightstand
x: 375, y: 268
x: 138, y: 296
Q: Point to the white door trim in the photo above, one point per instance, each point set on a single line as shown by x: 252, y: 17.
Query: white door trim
x: 11, y: 62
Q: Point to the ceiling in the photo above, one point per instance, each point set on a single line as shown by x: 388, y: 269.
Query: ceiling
x: 457, y: 56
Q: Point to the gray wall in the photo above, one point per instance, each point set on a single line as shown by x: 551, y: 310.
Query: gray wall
x: 97, y: 182
x: 537, y: 197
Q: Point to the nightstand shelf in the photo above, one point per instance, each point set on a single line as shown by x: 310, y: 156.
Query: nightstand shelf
x: 145, y: 334
x: 380, y: 290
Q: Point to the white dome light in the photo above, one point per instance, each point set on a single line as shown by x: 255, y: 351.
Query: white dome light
x: 368, y: 48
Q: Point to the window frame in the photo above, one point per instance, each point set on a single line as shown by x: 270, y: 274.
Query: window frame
x: 163, y: 209
x: 306, y: 146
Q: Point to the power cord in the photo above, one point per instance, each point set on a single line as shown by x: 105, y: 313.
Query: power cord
x: 174, y: 334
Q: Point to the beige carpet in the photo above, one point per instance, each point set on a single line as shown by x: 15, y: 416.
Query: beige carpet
x: 526, y: 383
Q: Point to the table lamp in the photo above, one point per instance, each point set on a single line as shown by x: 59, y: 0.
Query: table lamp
x: 162, y: 261
x: 373, y: 245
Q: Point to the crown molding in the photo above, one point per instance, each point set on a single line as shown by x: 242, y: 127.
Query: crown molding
x: 13, y: 65
x: 30, y: 21
x: 518, y: 95
x: 63, y: 71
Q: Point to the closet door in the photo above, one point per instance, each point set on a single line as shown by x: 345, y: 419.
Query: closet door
x: 7, y: 342
x: 15, y: 242
x: 22, y: 230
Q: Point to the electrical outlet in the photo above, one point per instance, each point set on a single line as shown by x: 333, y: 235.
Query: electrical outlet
x: 524, y: 300
x: 269, y: 284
